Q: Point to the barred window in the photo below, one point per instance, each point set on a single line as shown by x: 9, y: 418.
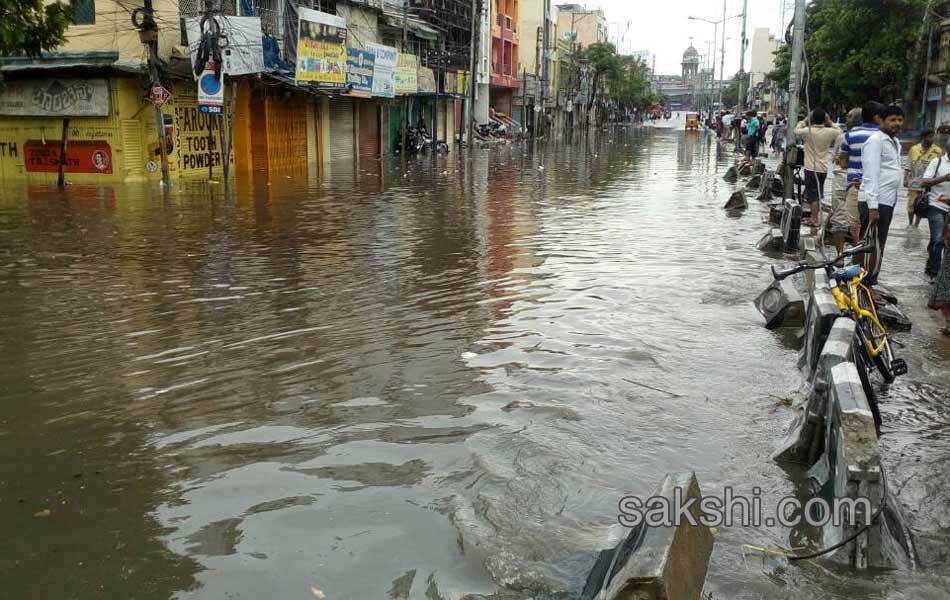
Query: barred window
x: 84, y: 12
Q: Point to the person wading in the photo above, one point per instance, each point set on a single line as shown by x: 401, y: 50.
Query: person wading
x: 936, y: 178
x: 819, y: 134
x: 850, y: 157
x: 919, y: 158
x: 882, y: 178
x: 842, y: 224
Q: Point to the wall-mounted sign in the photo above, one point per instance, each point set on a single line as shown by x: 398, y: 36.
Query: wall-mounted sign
x: 426, y: 78
x: 387, y: 58
x: 934, y: 93
x: 406, y: 78
x: 55, y: 97
x: 359, y: 72
x: 210, y: 92
x: 321, y: 48
x: 82, y: 156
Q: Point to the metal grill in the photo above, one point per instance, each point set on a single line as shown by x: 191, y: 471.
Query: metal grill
x: 84, y: 12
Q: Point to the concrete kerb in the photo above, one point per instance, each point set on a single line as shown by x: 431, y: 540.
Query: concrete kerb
x: 805, y: 439
x: 657, y: 563
x: 820, y: 315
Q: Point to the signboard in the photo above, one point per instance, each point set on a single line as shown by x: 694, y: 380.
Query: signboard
x: 82, y: 156
x: 934, y: 93
x: 359, y: 72
x: 55, y: 97
x: 405, y: 78
x: 384, y: 84
x: 426, y: 80
x: 321, y: 48
x: 210, y: 92
x: 245, y: 52
x: 159, y: 95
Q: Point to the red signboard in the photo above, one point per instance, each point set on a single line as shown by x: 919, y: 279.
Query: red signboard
x: 82, y: 156
x: 159, y: 95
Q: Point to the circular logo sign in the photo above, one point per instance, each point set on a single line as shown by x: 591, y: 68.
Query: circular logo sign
x: 151, y: 166
x: 210, y: 85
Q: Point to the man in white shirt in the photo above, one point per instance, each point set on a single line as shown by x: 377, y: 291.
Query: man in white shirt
x: 819, y: 135
x: 883, y: 175
x: 937, y: 179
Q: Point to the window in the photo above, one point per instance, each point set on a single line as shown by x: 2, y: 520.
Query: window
x: 84, y: 12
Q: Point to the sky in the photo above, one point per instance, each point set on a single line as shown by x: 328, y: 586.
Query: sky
x: 664, y: 27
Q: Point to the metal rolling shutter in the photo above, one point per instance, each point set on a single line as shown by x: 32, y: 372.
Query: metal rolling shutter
x: 341, y: 129
x: 369, y: 129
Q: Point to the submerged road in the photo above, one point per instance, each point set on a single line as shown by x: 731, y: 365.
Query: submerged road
x: 418, y: 381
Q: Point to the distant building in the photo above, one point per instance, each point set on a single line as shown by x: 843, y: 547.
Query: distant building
x: 583, y: 26
x: 761, y: 92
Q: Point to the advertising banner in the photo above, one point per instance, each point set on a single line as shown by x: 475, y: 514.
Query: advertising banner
x: 321, y: 48
x: 384, y: 84
x: 55, y: 97
x: 82, y: 156
x: 426, y: 78
x: 359, y: 72
x: 405, y: 78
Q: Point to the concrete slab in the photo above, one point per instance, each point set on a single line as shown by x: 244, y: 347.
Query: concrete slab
x: 782, y: 305
x: 736, y: 201
x: 659, y: 563
x: 821, y: 313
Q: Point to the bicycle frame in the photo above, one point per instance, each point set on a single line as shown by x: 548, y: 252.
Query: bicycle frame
x: 849, y: 303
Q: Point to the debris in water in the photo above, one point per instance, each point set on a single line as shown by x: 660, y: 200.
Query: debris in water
x: 317, y: 593
x: 42, y: 514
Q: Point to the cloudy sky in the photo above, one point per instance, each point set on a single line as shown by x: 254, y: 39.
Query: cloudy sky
x: 663, y: 26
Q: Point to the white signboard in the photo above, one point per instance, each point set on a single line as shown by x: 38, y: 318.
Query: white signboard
x: 210, y: 92
x: 55, y: 97
x: 384, y: 70
x: 245, y: 51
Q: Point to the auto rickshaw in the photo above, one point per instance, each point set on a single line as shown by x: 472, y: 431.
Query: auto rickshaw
x: 692, y: 120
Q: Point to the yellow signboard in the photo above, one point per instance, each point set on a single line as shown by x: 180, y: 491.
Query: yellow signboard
x: 321, y: 48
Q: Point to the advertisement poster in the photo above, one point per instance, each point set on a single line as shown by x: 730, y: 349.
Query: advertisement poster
x: 55, y: 97
x: 384, y: 84
x: 426, y: 78
x: 406, y: 81
x: 359, y: 72
x: 82, y: 156
x: 321, y: 48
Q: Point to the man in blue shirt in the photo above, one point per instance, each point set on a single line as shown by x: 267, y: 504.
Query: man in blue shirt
x: 752, y: 143
x: 850, y: 158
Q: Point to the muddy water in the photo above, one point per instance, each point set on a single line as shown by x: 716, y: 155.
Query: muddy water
x: 418, y: 380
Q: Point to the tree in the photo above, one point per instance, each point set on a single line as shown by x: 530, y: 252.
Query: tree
x: 604, y: 64
x: 730, y: 93
x: 856, y: 50
x: 29, y: 27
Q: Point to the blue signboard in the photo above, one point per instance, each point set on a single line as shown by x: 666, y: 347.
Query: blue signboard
x: 359, y: 71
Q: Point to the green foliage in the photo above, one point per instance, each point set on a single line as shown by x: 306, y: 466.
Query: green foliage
x: 730, y: 93
x: 625, y: 79
x: 857, y: 50
x: 31, y: 26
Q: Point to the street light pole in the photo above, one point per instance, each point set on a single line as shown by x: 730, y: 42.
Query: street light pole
x: 794, y: 87
x: 722, y: 53
x: 742, y: 80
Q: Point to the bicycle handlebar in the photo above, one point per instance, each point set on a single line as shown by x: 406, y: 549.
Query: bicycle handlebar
x: 857, y: 250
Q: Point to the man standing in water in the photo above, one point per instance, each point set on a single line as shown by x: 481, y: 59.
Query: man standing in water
x: 882, y: 177
x: 818, y: 133
x: 850, y: 157
x: 919, y: 158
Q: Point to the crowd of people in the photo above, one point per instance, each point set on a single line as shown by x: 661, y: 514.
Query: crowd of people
x: 864, y: 159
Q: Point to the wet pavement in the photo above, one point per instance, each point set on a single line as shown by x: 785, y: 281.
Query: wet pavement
x: 419, y: 380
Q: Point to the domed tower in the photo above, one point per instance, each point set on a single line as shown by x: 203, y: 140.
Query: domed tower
x: 690, y: 63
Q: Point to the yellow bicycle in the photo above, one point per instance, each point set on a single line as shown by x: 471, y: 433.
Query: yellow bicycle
x: 854, y: 300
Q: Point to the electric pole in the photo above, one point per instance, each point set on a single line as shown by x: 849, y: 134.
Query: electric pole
x: 148, y: 34
x: 794, y: 85
x: 742, y: 75
x: 722, y: 53
x: 473, y: 80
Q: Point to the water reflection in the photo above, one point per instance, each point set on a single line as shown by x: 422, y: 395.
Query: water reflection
x: 427, y: 378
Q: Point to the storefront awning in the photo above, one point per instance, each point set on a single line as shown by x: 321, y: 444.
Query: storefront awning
x: 69, y: 60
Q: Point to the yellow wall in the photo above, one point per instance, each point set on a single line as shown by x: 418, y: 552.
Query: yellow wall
x: 113, y: 30
x: 122, y: 130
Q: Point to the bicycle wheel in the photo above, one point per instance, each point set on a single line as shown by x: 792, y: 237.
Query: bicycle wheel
x: 864, y: 366
x: 873, y: 334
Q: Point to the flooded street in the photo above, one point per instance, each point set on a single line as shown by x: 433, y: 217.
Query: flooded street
x: 419, y: 380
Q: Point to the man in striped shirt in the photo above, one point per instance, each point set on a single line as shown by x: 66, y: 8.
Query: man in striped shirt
x: 850, y: 157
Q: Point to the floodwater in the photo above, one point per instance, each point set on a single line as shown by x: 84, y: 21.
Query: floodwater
x: 427, y: 379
